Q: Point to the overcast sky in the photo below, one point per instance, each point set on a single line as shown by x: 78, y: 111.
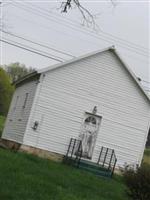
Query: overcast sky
x: 126, y: 26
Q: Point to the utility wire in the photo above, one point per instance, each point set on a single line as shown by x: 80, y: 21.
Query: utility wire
x: 68, y: 33
x: 40, y: 51
x: 110, y: 35
x: 145, y: 81
x: 147, y: 90
x: 28, y: 49
x: 3, y: 4
x: 42, y: 45
x: 46, y: 16
x: 36, y: 12
x: 57, y: 57
x: 146, y: 86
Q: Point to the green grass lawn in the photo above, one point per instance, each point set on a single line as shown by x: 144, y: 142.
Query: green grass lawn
x: 27, y: 177
x: 2, y: 120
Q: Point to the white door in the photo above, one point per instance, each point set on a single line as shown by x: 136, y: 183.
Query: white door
x: 88, y: 134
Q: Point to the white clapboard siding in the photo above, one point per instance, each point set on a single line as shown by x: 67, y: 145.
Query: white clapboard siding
x: 66, y: 93
x: 18, y: 116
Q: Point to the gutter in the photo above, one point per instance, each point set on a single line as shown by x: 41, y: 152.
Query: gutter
x: 25, y: 78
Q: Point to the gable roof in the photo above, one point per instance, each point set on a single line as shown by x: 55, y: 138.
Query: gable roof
x: 112, y: 49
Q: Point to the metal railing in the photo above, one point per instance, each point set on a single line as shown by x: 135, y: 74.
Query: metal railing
x: 107, y: 159
x: 74, y: 152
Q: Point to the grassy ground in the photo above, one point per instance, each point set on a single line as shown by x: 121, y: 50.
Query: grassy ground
x: 2, y: 120
x: 26, y: 177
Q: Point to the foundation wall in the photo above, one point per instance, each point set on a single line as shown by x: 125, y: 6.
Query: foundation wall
x: 31, y: 150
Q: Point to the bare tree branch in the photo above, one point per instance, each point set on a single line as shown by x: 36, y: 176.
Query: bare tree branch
x: 66, y: 5
x: 88, y: 17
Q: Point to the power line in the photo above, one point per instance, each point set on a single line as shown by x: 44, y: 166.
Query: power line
x: 68, y: 33
x: 27, y: 49
x: 147, y: 90
x: 145, y: 81
x: 59, y: 31
x: 57, y: 57
x: 42, y: 45
x: 29, y: 8
x: 19, y: 6
x: 110, y: 35
x: 37, y: 52
x: 142, y: 80
x: 3, y: 4
x: 44, y: 52
x: 125, y: 41
x: 147, y: 87
x: 36, y: 12
x: 128, y: 55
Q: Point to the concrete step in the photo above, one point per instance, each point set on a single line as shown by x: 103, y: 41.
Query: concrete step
x: 89, y: 166
x: 93, y: 165
x: 96, y: 172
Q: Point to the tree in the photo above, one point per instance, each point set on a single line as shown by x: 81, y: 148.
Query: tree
x: 6, y: 91
x: 17, y: 70
x: 88, y: 18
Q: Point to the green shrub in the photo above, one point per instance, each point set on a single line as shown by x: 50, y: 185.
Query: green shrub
x: 138, y: 182
x: 2, y: 120
x: 146, y: 158
x: 6, y: 92
x: 147, y: 152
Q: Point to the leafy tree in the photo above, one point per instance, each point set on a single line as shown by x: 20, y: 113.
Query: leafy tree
x: 17, y: 70
x: 6, y: 91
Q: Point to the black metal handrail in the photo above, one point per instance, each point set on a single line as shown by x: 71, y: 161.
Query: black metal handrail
x: 74, y: 152
x: 107, y: 159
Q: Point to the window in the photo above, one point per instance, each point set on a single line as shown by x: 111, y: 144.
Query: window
x: 16, y: 103
x: 90, y: 120
x: 25, y: 100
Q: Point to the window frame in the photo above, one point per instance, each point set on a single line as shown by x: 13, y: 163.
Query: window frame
x: 25, y: 100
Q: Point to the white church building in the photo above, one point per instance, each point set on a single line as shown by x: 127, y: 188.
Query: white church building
x: 52, y: 105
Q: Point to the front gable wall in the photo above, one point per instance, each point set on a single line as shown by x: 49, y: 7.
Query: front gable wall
x: 66, y: 93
